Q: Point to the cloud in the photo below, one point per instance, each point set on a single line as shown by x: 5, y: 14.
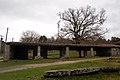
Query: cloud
x: 41, y: 15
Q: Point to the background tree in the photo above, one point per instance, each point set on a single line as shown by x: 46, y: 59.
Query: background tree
x: 51, y: 39
x: 102, y: 41
x: 29, y: 36
x: 82, y: 23
x: 115, y: 39
x: 43, y: 39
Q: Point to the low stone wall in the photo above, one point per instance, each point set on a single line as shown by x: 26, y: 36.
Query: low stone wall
x: 110, y: 69
x: 80, y: 71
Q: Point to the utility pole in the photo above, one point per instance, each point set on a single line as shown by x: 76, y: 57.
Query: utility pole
x: 6, y: 34
x: 58, y: 23
x: 6, y: 48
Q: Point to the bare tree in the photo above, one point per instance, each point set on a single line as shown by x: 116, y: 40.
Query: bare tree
x: 82, y: 23
x: 29, y: 36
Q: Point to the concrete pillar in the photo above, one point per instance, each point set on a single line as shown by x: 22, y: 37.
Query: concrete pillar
x: 118, y: 52
x: 115, y: 52
x: 91, y: 51
x: 64, y: 53
x: 39, y: 51
x: 67, y: 52
x: 38, y: 57
x: 7, y: 53
x: 112, y: 51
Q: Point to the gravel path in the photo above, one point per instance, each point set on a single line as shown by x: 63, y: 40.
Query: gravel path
x: 13, y: 68
x: 21, y: 67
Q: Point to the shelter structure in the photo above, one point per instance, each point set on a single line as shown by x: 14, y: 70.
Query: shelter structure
x: 18, y: 50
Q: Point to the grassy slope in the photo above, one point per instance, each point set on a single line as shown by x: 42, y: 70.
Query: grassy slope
x: 36, y: 73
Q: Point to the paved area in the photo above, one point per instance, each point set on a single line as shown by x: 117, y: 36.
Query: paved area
x: 15, y: 68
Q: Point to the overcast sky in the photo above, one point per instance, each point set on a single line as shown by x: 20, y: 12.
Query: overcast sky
x: 41, y: 15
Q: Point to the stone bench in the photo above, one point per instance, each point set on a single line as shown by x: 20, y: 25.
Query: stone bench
x: 110, y: 69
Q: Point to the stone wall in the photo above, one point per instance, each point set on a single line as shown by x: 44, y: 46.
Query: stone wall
x: 2, y: 44
x: 80, y: 71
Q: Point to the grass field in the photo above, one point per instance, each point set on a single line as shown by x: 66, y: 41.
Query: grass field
x: 24, y: 62
x: 36, y: 73
x: 53, y: 56
x: 72, y: 54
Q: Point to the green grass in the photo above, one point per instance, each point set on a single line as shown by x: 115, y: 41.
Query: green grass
x: 36, y: 73
x: 100, y: 76
x: 55, y: 54
x: 52, y: 57
x: 114, y: 58
x: 72, y: 54
x: 23, y: 62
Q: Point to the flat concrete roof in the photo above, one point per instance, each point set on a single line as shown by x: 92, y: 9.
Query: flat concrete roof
x: 53, y: 44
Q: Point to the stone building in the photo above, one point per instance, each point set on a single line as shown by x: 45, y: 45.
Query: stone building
x: 18, y: 50
x: 2, y: 43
